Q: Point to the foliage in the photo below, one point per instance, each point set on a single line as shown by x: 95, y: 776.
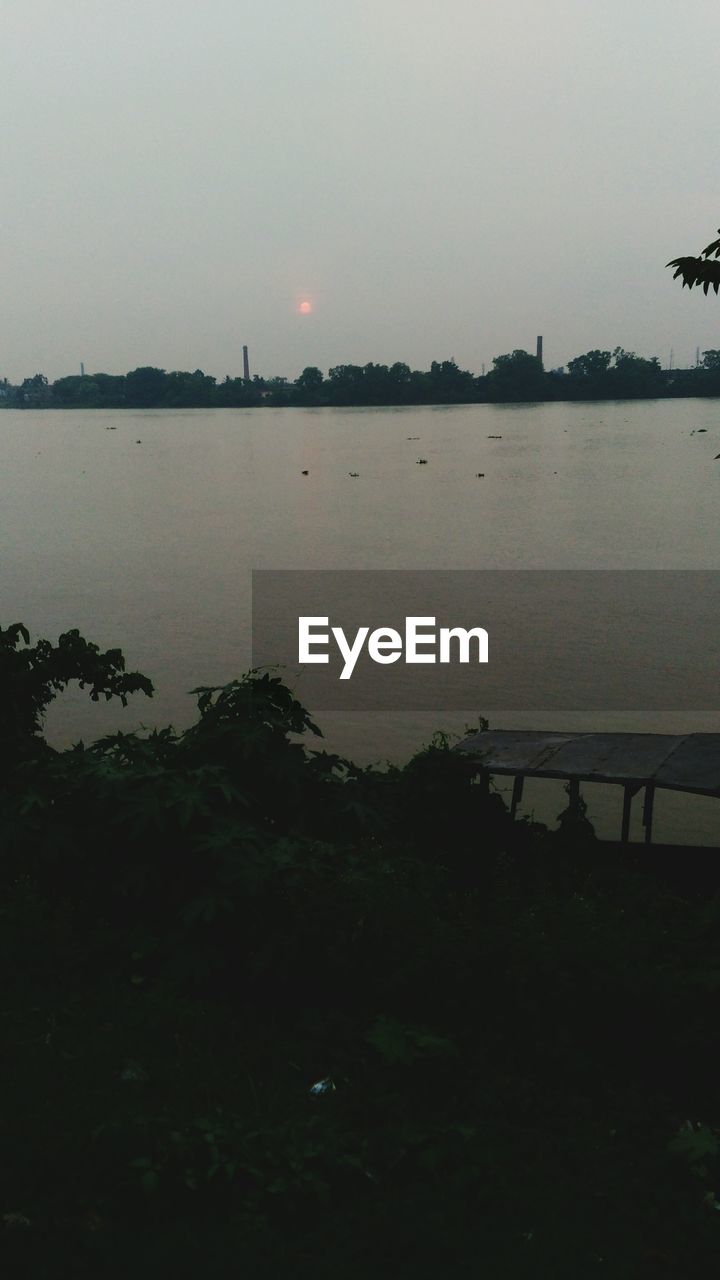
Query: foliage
x: 189, y: 390
x: 594, y: 364
x: 309, y: 385
x: 633, y: 375
x: 703, y: 270
x: 145, y: 387
x: 517, y: 376
x: 268, y: 1011
x: 30, y: 677
x: 236, y: 393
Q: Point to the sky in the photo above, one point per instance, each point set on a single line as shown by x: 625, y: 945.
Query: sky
x: 431, y: 180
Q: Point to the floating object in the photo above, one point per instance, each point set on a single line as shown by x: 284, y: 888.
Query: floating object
x: 111, y: 428
x: 421, y: 462
x: 413, y: 437
x: 305, y: 473
x: 138, y: 441
x: 354, y: 474
x: 494, y: 437
x: 481, y: 475
x: 701, y: 430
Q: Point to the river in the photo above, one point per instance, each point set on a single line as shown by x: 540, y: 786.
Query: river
x: 142, y: 528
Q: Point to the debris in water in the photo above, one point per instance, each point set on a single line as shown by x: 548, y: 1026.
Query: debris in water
x: 421, y: 462
x: 494, y: 437
x: 305, y: 473
x: 354, y: 474
x: 481, y: 475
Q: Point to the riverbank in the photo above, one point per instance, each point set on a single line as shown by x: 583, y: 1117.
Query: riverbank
x: 265, y: 1010
x: 514, y: 378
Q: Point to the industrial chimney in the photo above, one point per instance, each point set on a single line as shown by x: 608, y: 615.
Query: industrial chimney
x: 246, y: 365
x: 539, y: 348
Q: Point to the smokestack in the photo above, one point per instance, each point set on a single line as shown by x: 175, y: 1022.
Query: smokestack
x: 82, y: 370
x: 246, y: 365
x: 539, y: 348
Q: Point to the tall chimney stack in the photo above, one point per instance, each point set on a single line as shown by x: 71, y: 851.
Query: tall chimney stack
x: 539, y: 348
x: 246, y: 365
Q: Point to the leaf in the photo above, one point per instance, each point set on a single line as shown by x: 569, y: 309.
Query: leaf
x: 695, y: 1144
x: 702, y: 271
x: 398, y: 1042
x: 712, y: 249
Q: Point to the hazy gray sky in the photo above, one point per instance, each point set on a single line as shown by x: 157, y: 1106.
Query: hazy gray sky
x: 436, y: 177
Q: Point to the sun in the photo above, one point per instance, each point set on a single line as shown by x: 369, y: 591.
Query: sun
x: 305, y: 308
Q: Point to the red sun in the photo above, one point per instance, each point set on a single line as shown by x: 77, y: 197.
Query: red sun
x: 305, y: 308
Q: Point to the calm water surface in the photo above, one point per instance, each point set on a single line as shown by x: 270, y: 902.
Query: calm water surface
x: 144, y: 536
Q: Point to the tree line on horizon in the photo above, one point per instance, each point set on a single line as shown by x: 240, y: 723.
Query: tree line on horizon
x: 515, y: 376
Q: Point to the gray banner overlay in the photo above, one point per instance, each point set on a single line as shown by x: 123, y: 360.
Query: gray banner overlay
x: 634, y: 640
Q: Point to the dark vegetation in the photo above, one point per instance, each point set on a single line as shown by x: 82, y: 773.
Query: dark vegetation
x: 517, y: 376
x: 703, y: 270
x: 268, y: 1014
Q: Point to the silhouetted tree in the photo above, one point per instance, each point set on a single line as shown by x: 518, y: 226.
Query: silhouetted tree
x: 633, y: 375
x: 145, y: 387
x: 236, y: 393
x: 31, y: 675
x: 308, y: 388
x: 34, y: 391
x: 593, y: 365
x: 311, y: 379
x: 189, y: 390
x: 449, y: 384
x: 517, y: 376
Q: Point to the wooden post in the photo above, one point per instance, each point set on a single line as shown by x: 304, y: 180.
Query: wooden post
x: 648, y: 811
x: 516, y: 794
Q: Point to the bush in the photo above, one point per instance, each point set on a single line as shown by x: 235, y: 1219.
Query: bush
x: 264, y: 1007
